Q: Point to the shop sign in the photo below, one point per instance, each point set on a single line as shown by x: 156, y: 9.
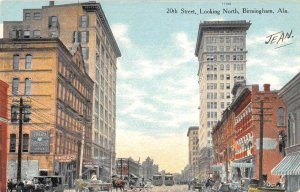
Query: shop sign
x: 40, y: 142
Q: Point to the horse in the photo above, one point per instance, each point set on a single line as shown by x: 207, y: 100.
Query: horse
x: 118, y: 184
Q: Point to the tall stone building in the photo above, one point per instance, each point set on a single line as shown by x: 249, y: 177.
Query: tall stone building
x: 193, y: 151
x: 3, y: 133
x: 57, y: 109
x: 86, y: 24
x: 221, y: 52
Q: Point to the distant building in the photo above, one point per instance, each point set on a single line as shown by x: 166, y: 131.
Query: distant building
x: 57, y: 95
x: 127, y: 167
x: 221, y: 52
x: 290, y: 165
x: 193, y: 150
x: 237, y: 150
x: 149, y: 168
x: 3, y: 133
x: 83, y: 23
x: 185, y: 174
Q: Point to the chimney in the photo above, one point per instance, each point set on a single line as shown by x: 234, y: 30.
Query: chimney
x: 51, y: 3
x: 267, y: 87
x: 255, y: 89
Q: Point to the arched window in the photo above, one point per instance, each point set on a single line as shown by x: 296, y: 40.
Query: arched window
x: 28, y: 63
x: 291, y: 130
x: 27, y: 86
x: 280, y: 116
x: 16, y: 60
x: 222, y: 67
x: 227, y: 67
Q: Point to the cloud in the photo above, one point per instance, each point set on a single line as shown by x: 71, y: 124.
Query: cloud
x: 144, y: 145
x: 122, y: 72
x: 268, y: 78
x: 133, y: 98
x: 120, y: 32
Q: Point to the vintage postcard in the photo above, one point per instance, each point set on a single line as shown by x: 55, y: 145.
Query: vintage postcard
x: 168, y: 95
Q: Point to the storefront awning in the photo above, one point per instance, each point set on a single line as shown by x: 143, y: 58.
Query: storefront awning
x: 290, y: 165
x: 133, y: 175
x: 216, y: 167
x: 242, y: 165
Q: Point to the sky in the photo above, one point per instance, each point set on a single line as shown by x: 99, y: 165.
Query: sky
x: 157, y: 83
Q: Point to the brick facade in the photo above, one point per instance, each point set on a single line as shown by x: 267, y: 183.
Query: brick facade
x: 60, y: 95
x: 241, y: 120
x: 3, y: 134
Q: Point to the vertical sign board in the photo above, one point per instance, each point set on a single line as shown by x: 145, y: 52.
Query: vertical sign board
x: 40, y: 142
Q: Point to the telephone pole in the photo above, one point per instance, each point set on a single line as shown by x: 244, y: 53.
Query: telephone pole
x: 261, y: 142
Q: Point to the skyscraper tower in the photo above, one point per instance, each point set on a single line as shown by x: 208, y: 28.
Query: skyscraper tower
x: 221, y: 52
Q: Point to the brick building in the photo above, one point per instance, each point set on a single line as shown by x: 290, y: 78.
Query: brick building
x: 128, y: 167
x: 240, y: 156
x: 3, y: 134
x: 57, y: 95
x: 223, y: 138
x: 83, y: 23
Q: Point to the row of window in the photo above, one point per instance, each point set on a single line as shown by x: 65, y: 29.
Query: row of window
x: 15, y: 86
x: 34, y: 15
x: 67, y: 121
x: 210, y: 48
x: 213, y: 105
x: 212, y: 115
x: 225, y: 39
x: 222, y: 31
x: 225, y: 58
x: 211, y: 95
x: 74, y: 79
x: 72, y: 99
x: 25, y: 34
x: 15, y: 113
x: 65, y: 145
x: 214, y: 67
x: 215, y: 77
x: 210, y: 124
x: 212, y: 86
x: 13, y: 143
x: 16, y: 62
x: 81, y: 36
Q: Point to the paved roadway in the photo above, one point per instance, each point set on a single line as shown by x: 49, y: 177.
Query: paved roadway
x: 175, y: 188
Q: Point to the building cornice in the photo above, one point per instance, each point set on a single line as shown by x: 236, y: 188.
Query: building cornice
x: 96, y: 7
x: 218, y: 25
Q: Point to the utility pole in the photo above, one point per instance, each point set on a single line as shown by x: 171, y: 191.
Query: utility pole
x: 81, y: 153
x: 128, y: 169
x: 261, y: 142
x: 121, y: 167
x: 20, y: 140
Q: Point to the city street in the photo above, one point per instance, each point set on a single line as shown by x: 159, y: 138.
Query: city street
x: 175, y: 188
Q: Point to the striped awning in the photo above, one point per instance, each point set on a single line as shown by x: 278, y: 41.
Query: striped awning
x: 289, y: 165
x: 242, y: 165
